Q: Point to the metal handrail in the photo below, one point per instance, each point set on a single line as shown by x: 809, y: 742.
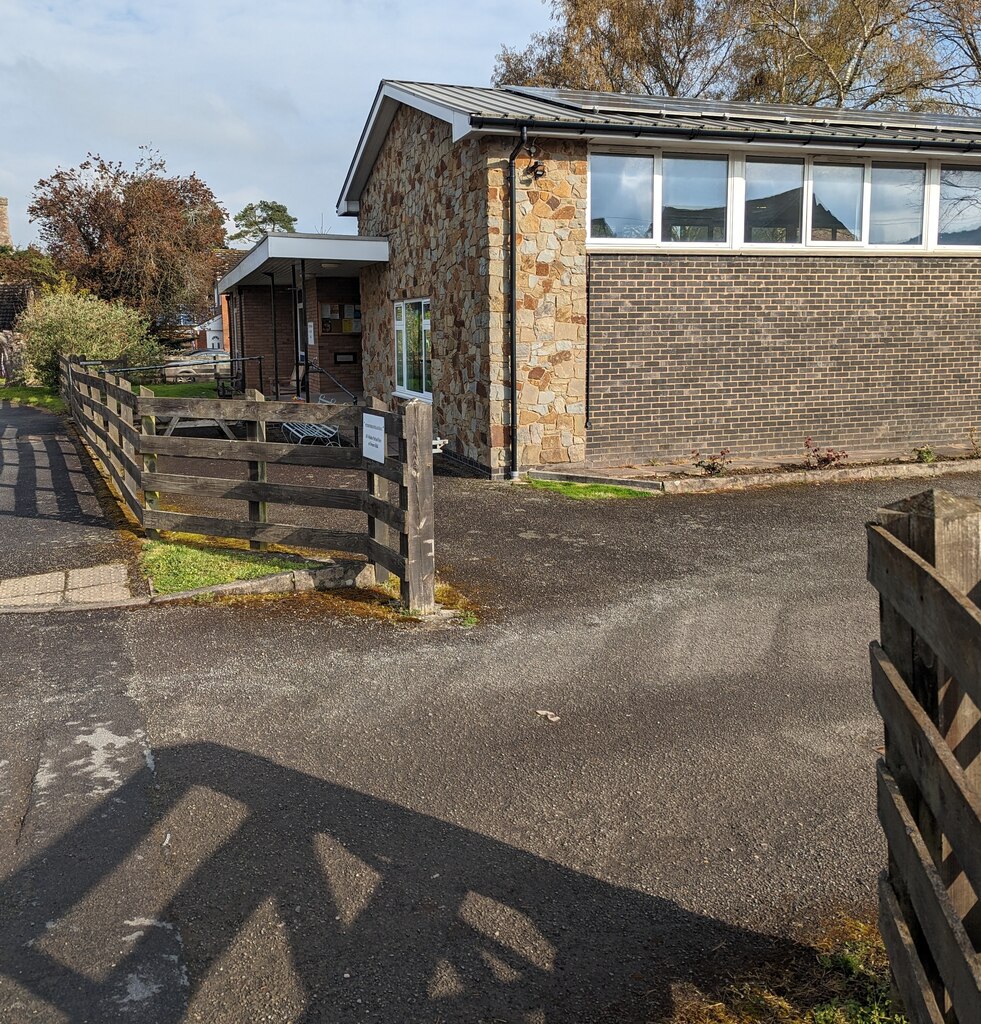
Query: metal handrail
x: 327, y: 373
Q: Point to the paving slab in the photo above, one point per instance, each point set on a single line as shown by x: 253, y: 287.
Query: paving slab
x: 45, y: 584
x: 98, y: 584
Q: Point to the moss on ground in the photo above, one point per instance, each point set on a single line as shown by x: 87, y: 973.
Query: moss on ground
x: 584, y: 492
x: 843, y: 978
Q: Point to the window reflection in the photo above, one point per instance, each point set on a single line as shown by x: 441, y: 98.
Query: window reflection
x: 896, y: 213
x: 836, y: 209
x: 960, y: 206
x: 621, y: 196
x: 774, y: 200
x: 694, y: 198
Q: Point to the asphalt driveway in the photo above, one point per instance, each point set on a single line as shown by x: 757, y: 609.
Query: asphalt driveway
x: 240, y: 813
x: 50, y: 514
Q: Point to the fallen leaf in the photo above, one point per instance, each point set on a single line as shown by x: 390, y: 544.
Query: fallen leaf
x: 550, y: 715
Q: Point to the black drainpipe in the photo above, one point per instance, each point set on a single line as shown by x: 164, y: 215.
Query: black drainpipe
x: 513, y: 297
x: 275, y: 339
x: 296, y: 330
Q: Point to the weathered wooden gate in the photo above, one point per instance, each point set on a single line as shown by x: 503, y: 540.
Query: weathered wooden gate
x: 925, y: 561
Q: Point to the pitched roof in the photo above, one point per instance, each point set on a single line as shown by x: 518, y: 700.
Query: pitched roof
x: 596, y: 115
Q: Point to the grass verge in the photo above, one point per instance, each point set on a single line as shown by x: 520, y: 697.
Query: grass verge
x: 37, y: 398
x: 175, y: 567
x: 584, y: 492
x: 842, y: 979
x: 203, y: 389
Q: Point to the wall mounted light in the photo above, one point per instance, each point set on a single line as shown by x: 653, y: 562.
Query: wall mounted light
x: 537, y: 169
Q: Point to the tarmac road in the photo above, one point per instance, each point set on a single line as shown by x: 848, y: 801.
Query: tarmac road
x: 266, y: 812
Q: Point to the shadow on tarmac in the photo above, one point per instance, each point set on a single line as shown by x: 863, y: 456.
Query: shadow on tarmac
x: 388, y: 914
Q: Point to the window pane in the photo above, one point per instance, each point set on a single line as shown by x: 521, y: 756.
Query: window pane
x: 399, y: 348
x: 413, y: 346
x: 695, y: 191
x: 836, y: 211
x: 896, y: 216
x: 960, y: 206
x: 774, y: 200
x: 427, y: 384
x: 621, y: 190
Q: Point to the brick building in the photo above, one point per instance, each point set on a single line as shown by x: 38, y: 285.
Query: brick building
x: 676, y: 274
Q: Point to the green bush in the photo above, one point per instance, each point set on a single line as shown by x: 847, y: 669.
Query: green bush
x: 73, y: 324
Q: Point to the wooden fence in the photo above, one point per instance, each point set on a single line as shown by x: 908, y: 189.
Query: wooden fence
x: 120, y: 423
x: 924, y: 558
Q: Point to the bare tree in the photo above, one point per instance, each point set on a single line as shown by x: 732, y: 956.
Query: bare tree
x: 669, y: 48
x: 860, y: 53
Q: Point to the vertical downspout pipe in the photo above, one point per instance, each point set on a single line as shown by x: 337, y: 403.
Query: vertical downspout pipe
x: 275, y: 339
x: 296, y: 329
x: 303, y: 330
x: 241, y: 336
x: 513, y: 296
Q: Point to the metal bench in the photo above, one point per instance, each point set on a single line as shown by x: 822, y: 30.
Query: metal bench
x: 313, y: 433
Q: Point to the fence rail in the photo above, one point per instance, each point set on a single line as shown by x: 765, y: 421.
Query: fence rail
x: 121, y: 426
x: 925, y: 561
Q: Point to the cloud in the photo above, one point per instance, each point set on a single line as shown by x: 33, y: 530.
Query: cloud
x: 263, y: 101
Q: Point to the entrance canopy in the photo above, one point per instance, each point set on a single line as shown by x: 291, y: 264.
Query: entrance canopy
x: 321, y: 255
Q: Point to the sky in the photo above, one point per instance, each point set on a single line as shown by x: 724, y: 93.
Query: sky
x: 261, y: 100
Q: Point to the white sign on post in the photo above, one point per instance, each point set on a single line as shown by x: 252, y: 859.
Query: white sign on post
x: 373, y: 437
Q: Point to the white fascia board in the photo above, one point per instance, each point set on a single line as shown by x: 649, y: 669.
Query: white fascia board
x: 251, y: 263
x: 318, y: 249
x: 329, y: 249
x: 387, y: 102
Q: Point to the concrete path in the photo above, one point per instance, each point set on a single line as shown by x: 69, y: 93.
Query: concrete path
x: 56, y: 544
x: 281, y: 813
x: 98, y: 584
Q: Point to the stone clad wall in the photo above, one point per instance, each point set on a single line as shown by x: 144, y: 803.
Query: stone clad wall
x: 13, y: 300
x: 444, y: 209
x: 551, y: 305
x: 429, y: 198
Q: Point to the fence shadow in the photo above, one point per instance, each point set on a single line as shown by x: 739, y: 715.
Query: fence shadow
x: 437, y: 923
x: 46, y: 478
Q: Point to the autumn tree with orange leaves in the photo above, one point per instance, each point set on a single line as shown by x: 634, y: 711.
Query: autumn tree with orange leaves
x: 140, y: 236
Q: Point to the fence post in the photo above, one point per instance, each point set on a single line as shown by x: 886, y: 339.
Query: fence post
x: 378, y: 487
x: 944, y: 530
x: 416, y: 498
x: 148, y: 428
x: 255, y: 430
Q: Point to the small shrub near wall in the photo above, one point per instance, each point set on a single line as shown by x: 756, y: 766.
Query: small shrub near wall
x: 73, y: 324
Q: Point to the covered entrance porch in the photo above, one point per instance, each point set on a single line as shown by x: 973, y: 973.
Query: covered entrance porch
x: 295, y: 314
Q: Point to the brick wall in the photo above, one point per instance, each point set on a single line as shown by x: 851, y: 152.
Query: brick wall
x: 757, y: 352
x: 252, y: 310
x: 337, y: 291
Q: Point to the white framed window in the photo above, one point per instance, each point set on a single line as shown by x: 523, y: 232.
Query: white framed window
x: 694, y: 198
x: 781, y: 201
x: 959, y: 214
x: 412, y: 349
